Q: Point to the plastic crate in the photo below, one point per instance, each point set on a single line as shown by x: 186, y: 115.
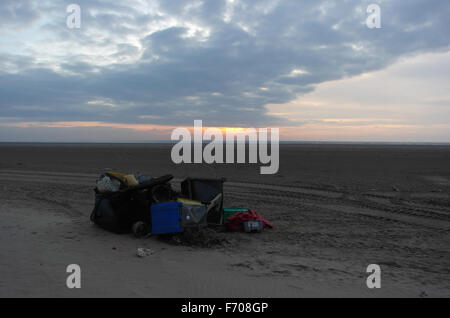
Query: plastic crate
x: 205, y: 190
x: 230, y: 212
x: 166, y: 218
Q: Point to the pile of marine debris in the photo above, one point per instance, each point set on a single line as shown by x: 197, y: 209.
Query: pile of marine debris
x: 146, y: 206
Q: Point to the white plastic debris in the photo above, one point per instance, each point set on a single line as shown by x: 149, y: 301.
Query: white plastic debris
x: 143, y: 252
x: 107, y: 185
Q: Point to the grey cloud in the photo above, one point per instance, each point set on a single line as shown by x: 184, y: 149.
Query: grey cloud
x: 18, y: 14
x: 226, y: 78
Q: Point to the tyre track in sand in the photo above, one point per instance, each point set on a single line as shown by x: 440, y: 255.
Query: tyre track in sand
x: 360, y: 209
x: 331, y: 200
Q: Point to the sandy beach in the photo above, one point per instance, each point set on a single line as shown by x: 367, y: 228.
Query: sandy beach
x: 336, y: 209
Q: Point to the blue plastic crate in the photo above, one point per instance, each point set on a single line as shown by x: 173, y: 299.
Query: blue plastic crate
x: 166, y: 218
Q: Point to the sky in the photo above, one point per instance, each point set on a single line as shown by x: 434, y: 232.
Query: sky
x: 136, y: 69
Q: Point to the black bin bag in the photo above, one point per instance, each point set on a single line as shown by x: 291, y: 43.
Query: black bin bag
x: 118, y: 211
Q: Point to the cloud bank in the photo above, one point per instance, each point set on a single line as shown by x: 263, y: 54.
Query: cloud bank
x: 222, y: 61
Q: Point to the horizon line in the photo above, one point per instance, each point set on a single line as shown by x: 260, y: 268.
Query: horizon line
x: 286, y: 142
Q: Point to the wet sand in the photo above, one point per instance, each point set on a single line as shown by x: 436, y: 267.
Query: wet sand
x: 336, y: 209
